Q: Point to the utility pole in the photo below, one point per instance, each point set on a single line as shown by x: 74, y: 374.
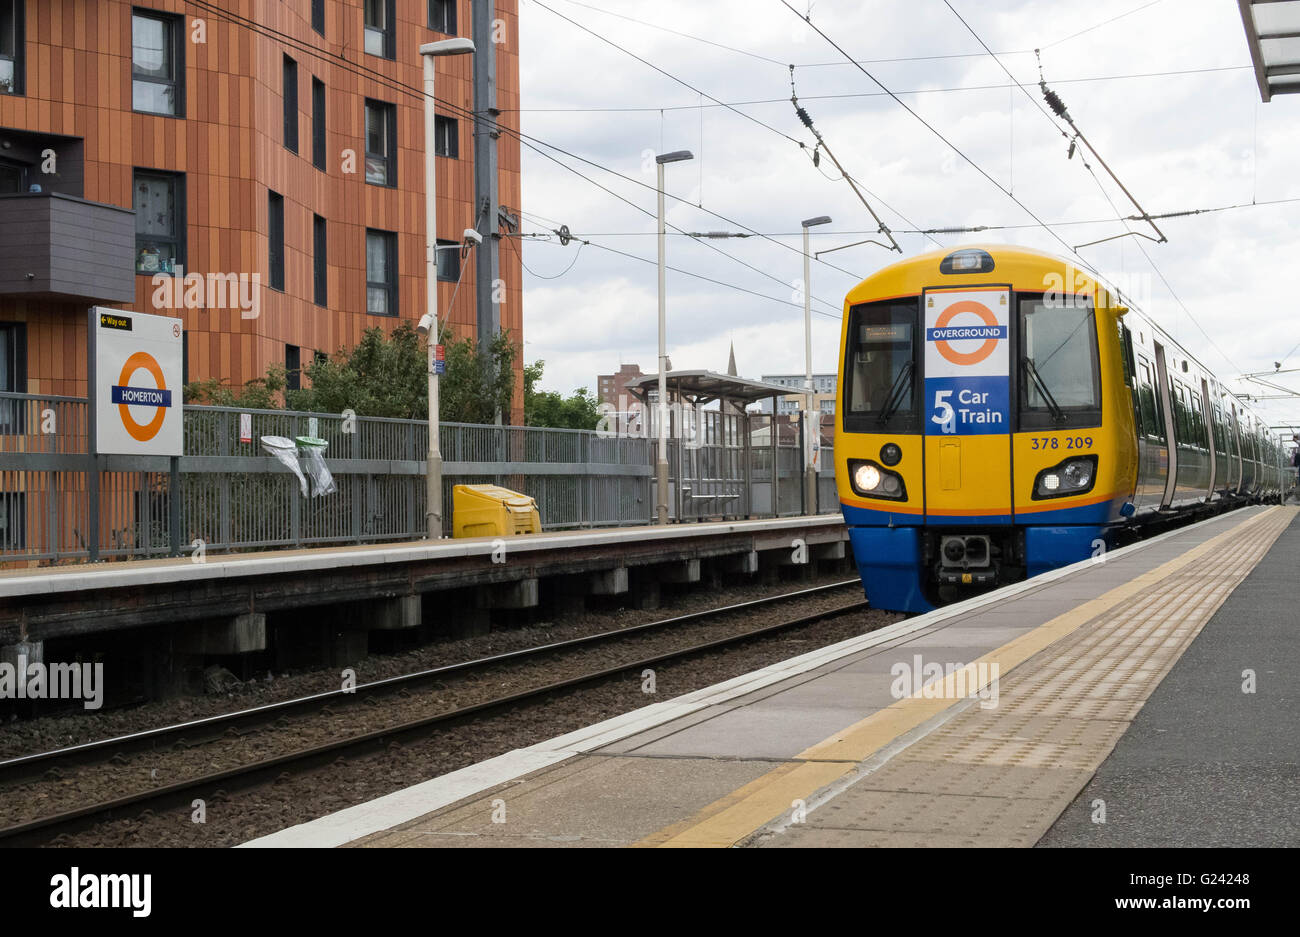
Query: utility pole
x: 811, y: 420
x: 487, y: 264
x: 429, y: 324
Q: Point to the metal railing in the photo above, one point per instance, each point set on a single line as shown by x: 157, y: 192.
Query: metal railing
x: 233, y: 496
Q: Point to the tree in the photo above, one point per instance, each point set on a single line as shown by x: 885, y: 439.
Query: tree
x: 387, y: 376
x: 549, y: 408
x: 477, y: 386
x: 261, y: 393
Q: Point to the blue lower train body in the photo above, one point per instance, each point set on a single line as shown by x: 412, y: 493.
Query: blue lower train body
x: 889, y: 547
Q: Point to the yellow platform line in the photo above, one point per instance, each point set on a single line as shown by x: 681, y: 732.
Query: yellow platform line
x: 730, y: 819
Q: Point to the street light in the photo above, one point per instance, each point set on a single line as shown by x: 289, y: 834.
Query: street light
x: 809, y: 470
x: 433, y: 468
x: 661, y: 462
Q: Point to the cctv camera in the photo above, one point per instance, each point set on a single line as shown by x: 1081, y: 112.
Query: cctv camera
x: 426, y: 323
x: 472, y: 236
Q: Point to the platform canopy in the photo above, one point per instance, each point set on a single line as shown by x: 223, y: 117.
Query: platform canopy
x: 701, y: 387
x: 1273, y: 34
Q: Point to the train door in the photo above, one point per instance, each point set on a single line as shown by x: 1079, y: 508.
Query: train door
x: 1212, y: 429
x: 1163, y: 390
x: 1235, y: 431
x: 968, y: 405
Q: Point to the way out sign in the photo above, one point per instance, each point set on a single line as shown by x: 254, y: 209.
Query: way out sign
x: 137, y: 383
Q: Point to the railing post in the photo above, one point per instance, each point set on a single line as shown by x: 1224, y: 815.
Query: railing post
x: 176, y: 503
x: 92, y: 460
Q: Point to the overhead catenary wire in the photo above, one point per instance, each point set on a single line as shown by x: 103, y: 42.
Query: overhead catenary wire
x: 807, y: 121
x: 690, y: 273
x: 960, y: 229
x: 871, y: 94
x: 1058, y: 107
x: 956, y: 149
x: 526, y: 140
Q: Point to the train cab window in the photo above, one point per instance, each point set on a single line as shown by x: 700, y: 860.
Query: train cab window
x: 1058, y: 379
x: 880, y: 380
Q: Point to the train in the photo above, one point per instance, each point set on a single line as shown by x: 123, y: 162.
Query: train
x: 1001, y: 413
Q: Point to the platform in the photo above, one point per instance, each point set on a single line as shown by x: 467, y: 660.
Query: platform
x: 841, y: 747
x: 68, y: 601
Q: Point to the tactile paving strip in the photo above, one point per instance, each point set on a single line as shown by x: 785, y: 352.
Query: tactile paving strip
x: 1001, y: 776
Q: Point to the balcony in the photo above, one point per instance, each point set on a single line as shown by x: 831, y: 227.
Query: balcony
x: 63, y: 248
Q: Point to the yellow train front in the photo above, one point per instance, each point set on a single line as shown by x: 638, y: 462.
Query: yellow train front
x: 987, y: 429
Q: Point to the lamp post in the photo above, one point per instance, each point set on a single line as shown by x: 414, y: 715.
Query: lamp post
x: 661, y: 461
x: 429, y: 324
x: 809, y: 470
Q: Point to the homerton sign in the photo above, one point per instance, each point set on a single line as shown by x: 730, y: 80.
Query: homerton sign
x: 137, y: 383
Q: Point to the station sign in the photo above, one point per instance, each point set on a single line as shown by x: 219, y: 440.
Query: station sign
x: 967, y: 361
x: 137, y: 388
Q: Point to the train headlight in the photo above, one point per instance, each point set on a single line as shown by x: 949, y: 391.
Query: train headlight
x: 1071, y: 477
x: 890, y: 454
x: 872, y: 481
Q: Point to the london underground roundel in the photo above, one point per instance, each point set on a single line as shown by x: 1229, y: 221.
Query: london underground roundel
x: 138, y: 370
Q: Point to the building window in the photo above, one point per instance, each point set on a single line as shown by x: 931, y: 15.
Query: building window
x: 157, y: 63
x: 290, y: 94
x: 381, y: 143
x: 381, y: 273
x: 292, y: 367
x: 318, y: 16
x: 13, y: 374
x: 320, y: 261
x: 318, y: 123
x: 380, y: 15
x: 275, y: 239
x: 447, y: 136
x: 12, y: 46
x: 442, y: 16
x: 449, y: 260
x: 13, y: 177
x: 159, y: 221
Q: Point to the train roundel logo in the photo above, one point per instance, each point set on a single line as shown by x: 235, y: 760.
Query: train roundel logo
x: 126, y: 396
x: 943, y: 333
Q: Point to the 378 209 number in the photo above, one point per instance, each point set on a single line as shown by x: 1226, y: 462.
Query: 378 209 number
x: 1055, y: 442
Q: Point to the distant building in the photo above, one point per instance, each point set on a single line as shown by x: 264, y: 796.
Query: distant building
x: 824, y: 386
x: 612, y: 388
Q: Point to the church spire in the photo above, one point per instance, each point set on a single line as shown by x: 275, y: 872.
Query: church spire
x: 731, y: 362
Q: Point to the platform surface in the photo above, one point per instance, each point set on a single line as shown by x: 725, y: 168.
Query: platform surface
x: 841, y: 747
x: 26, y: 581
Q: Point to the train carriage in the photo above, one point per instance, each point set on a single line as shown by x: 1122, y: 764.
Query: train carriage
x: 1002, y: 414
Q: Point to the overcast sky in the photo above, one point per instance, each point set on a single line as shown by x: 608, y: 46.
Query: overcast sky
x: 1177, y: 141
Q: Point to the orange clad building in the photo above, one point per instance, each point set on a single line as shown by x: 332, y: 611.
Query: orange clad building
x: 273, y: 150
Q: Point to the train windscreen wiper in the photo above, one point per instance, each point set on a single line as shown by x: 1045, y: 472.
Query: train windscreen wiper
x: 902, y: 387
x: 1058, y: 415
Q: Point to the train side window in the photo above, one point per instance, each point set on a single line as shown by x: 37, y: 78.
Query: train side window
x: 1153, y: 422
x: 1178, y: 399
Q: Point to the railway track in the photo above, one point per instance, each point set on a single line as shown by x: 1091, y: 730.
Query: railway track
x: 216, y: 728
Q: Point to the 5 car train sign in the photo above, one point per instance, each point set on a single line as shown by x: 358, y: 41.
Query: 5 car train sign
x: 967, y: 362
x: 137, y: 387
